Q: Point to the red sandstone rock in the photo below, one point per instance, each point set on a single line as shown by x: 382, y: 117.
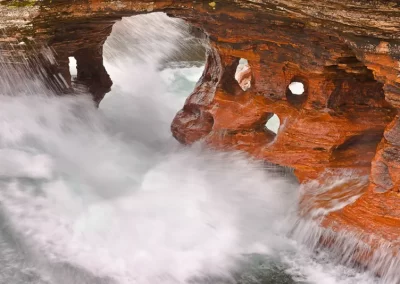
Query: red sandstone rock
x: 345, y: 52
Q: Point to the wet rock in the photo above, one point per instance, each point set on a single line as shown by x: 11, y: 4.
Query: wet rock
x: 345, y: 53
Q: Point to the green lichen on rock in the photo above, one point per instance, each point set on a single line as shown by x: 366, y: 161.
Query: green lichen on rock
x: 20, y: 3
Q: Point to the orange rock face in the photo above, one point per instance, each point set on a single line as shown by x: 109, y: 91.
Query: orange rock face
x: 345, y: 119
x: 345, y: 53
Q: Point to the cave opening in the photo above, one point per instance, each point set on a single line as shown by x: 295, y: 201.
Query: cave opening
x: 296, y: 91
x: 73, y: 68
x: 273, y: 123
x: 297, y: 88
x: 243, y: 74
x: 172, y: 48
x: 159, y: 68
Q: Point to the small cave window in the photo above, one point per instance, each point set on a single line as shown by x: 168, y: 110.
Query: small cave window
x: 297, y: 88
x: 243, y: 74
x: 296, y: 92
x: 73, y: 67
x: 273, y: 124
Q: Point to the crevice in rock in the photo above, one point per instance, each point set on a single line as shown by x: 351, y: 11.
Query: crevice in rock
x: 359, y: 148
x: 354, y: 84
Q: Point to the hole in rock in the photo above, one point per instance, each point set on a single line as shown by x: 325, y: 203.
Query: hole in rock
x: 273, y: 123
x: 296, y: 92
x: 73, y: 67
x: 168, y: 55
x: 297, y: 88
x: 243, y: 74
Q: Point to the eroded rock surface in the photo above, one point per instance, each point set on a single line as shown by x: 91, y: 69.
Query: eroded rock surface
x: 346, y: 53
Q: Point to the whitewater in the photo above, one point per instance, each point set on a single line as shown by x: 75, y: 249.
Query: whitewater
x: 107, y: 195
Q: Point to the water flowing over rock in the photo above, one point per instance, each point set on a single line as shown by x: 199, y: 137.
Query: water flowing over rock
x: 346, y: 55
